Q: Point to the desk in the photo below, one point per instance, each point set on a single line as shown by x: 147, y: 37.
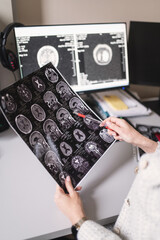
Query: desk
x: 27, y: 208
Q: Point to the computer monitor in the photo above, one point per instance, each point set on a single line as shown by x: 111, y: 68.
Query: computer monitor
x: 90, y: 56
x: 144, y: 53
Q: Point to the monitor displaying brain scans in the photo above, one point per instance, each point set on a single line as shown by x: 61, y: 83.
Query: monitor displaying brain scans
x: 41, y: 109
x: 89, y: 56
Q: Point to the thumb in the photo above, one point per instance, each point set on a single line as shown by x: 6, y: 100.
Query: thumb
x: 69, y: 186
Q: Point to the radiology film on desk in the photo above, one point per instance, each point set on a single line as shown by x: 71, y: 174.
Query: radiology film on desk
x: 40, y: 108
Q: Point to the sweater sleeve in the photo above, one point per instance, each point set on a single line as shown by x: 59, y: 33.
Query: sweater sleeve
x: 91, y: 230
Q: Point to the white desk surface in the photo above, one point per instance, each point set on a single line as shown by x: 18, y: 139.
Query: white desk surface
x: 27, y: 208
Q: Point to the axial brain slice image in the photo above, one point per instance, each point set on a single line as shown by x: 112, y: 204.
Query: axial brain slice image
x: 80, y: 164
x: 38, y: 84
x: 23, y: 124
x: 24, y: 93
x: 8, y: 103
x: 51, y: 75
x: 102, y: 54
x: 38, y: 112
x: 47, y: 54
x: 105, y: 136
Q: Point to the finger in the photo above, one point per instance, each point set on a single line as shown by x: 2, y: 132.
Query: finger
x: 109, y: 120
x: 103, y: 123
x: 118, y: 138
x: 69, y: 186
x: 79, y: 188
x: 113, y: 127
x: 112, y: 133
x: 115, y: 120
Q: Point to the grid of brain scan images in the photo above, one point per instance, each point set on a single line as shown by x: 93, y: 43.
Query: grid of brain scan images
x: 41, y: 109
x: 151, y: 132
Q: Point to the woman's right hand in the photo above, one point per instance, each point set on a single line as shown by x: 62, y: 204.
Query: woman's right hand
x: 121, y: 130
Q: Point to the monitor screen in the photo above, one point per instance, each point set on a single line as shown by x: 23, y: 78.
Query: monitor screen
x: 144, y: 53
x: 89, y: 56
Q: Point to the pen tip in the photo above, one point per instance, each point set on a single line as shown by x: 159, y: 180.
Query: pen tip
x: 75, y: 112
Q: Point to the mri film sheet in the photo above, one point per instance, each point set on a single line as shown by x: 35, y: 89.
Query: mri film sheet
x: 41, y: 109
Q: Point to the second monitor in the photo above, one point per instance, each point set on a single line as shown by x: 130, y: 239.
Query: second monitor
x: 90, y: 56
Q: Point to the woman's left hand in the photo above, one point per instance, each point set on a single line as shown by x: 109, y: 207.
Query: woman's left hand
x: 70, y: 204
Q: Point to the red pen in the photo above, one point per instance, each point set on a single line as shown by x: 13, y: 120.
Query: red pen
x: 90, y: 118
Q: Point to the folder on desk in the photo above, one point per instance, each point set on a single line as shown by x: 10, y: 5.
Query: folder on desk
x: 115, y: 102
x: 120, y: 104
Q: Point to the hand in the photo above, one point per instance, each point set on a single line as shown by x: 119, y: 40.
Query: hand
x: 121, y: 130
x: 70, y: 204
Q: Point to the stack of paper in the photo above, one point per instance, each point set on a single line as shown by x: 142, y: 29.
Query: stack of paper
x: 120, y: 104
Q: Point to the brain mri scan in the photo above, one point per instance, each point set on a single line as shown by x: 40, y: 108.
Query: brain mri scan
x: 76, y: 105
x: 80, y: 164
x: 50, y: 127
x: 66, y: 149
x: 65, y: 119
x: 51, y: 100
x: 51, y: 75
x: 38, y: 84
x: 63, y: 89
x: 38, y: 112
x: 23, y: 124
x: 105, y: 136
x: 24, y: 93
x: 91, y: 124
x: 38, y: 143
x: 47, y: 54
x: 8, y: 103
x: 79, y: 135
x: 52, y: 162
x: 102, y: 54
x: 93, y: 149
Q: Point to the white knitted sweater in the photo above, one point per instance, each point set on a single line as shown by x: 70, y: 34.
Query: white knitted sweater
x: 139, y: 218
